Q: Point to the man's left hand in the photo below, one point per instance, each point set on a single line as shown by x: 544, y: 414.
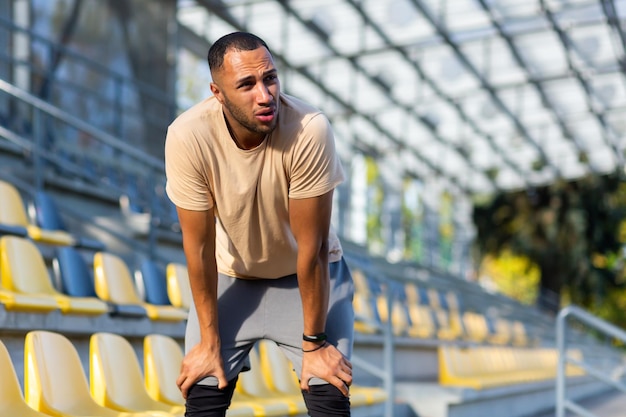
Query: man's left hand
x: 329, y: 364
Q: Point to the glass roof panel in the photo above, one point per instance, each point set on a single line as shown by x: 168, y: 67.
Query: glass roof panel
x: 545, y: 61
x: 456, y: 88
x: 493, y: 58
x: 399, y: 20
x: 515, y: 8
x: 462, y: 15
x: 566, y: 96
x: 594, y: 46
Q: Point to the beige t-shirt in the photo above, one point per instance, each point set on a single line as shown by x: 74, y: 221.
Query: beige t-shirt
x: 250, y: 189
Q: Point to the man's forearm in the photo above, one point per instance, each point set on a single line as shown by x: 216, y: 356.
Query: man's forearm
x: 313, y: 280
x: 203, y: 283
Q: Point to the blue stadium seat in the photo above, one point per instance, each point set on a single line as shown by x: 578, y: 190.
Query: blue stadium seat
x: 154, y: 283
x: 76, y: 280
x: 48, y: 217
x: 73, y: 274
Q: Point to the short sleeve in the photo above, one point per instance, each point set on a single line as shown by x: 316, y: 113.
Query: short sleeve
x: 316, y: 167
x: 187, y: 185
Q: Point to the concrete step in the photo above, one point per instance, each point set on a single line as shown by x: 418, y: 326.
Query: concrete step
x: 519, y: 400
x: 611, y: 404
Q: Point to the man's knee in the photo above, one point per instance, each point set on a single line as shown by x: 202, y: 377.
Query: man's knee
x: 326, y: 400
x: 209, y: 401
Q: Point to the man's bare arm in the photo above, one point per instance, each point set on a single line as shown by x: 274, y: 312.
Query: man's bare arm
x: 198, y: 230
x: 310, y: 223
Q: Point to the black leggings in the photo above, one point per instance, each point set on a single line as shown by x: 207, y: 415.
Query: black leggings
x: 321, y: 401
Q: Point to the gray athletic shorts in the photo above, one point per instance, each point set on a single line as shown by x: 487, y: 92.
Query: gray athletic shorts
x: 254, y: 309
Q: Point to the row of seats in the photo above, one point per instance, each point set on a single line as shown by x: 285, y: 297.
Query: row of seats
x: 417, y: 311
x: 55, y: 382
x: 111, y: 288
x: 139, y: 193
x: 427, y: 313
x: 482, y: 367
x: 25, y: 284
x: 14, y: 219
x: 42, y: 222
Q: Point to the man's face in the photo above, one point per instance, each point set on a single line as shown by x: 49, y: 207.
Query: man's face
x: 247, y: 86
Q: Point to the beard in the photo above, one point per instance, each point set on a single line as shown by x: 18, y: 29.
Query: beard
x: 250, y: 123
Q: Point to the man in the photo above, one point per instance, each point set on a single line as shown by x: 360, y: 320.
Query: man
x: 252, y: 173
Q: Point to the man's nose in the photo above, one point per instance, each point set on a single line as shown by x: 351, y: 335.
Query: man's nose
x: 263, y: 93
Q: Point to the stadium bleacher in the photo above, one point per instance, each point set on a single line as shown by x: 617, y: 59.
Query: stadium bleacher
x: 432, y: 322
x: 82, y: 311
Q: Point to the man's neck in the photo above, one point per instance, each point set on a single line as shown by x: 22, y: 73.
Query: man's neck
x: 245, y: 144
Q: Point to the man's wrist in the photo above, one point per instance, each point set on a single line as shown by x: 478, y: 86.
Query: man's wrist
x: 316, y: 348
x: 315, y: 338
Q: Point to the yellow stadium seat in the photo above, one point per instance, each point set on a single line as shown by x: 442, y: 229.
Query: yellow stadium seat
x: 399, y: 319
x: 502, y: 332
x: 280, y: 377
x: 24, y: 272
x: 162, y: 359
x: 415, y: 294
x: 453, y: 301
x: 253, y: 384
x: 519, y: 335
x: 434, y: 299
x: 178, y: 288
x: 114, y: 283
x: 115, y: 377
x: 360, y: 282
x: 449, y: 325
x: 32, y: 303
x: 365, y: 318
x: 12, y: 401
x: 13, y: 213
x: 423, y: 324
x: 476, y: 326
x: 55, y: 381
x: 492, y: 366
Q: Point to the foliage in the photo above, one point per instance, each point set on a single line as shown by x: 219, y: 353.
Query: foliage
x: 573, y: 232
x: 375, y: 196
x: 513, y: 275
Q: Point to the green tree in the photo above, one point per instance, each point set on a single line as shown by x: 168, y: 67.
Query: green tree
x: 570, y: 230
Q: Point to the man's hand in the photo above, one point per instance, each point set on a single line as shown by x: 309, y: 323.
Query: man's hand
x: 201, y: 361
x: 328, y: 364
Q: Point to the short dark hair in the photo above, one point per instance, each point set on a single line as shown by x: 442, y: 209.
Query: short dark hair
x: 239, y: 41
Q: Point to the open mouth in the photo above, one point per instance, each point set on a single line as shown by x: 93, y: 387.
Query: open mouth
x: 266, y: 115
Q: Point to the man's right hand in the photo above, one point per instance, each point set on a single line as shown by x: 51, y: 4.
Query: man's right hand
x: 201, y: 361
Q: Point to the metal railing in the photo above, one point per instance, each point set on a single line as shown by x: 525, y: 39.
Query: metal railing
x: 43, y: 113
x: 386, y: 372
x: 563, y: 404
x: 117, y: 102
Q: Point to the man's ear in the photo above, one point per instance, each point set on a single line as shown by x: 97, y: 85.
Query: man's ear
x: 217, y: 93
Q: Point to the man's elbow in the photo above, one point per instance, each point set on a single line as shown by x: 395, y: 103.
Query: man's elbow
x: 314, y: 253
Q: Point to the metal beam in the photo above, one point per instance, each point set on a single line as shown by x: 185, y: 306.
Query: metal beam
x: 221, y: 10
x: 453, y: 103
x: 384, y: 88
x: 569, y: 46
x: 484, y: 83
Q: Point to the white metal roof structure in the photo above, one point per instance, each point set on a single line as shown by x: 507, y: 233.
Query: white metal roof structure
x: 485, y: 95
